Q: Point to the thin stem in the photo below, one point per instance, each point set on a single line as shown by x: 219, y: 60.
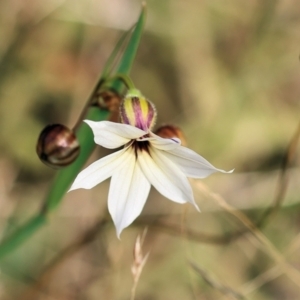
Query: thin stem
x: 88, y: 104
x: 132, y: 297
x: 123, y: 78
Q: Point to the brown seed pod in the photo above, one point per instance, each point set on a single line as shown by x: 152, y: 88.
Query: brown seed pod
x: 57, y: 146
x: 171, y: 131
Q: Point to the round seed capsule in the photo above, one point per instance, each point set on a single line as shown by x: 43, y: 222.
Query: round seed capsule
x: 57, y: 146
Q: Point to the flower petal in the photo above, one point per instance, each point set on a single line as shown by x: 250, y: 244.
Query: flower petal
x: 128, y: 192
x: 192, y: 164
x: 100, y: 170
x: 165, y: 176
x: 162, y: 143
x: 113, y: 135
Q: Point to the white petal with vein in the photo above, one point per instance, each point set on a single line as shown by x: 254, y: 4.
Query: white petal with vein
x: 100, y: 170
x: 163, y: 144
x: 166, y: 177
x: 192, y: 164
x: 113, y: 135
x: 129, y: 189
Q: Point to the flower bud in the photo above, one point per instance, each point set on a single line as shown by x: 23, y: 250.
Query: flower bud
x: 57, y: 146
x: 137, y: 111
x: 171, y: 131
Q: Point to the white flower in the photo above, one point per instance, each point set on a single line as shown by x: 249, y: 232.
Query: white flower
x: 145, y: 160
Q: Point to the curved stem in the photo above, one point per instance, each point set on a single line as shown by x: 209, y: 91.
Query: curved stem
x: 123, y: 78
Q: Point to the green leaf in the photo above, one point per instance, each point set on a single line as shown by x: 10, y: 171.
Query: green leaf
x: 131, y: 50
x: 66, y: 176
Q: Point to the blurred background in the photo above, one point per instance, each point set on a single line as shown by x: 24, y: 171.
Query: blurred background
x: 227, y: 73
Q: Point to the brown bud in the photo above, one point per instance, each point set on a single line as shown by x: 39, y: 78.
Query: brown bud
x: 171, y: 131
x: 57, y: 146
x: 110, y: 100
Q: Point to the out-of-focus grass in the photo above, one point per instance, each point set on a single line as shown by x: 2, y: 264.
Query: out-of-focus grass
x: 227, y: 73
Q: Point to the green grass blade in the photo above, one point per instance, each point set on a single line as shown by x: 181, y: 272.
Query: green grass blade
x: 66, y: 176
x: 131, y: 49
x: 111, y: 60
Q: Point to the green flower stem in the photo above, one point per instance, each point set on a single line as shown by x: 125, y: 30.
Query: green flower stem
x: 66, y: 176
x: 123, y: 78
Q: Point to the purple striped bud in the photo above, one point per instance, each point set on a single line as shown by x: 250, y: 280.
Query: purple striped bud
x: 137, y: 111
